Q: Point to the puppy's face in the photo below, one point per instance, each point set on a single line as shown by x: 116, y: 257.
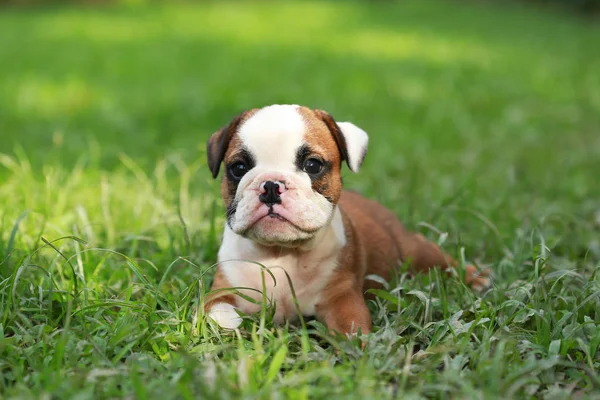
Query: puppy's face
x: 282, y: 175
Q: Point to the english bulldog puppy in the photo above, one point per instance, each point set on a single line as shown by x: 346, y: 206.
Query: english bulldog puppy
x: 286, y: 211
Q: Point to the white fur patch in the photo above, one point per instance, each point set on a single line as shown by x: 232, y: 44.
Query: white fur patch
x: 309, y: 269
x: 273, y: 135
x: 357, y: 141
x: 337, y: 224
x: 225, y: 315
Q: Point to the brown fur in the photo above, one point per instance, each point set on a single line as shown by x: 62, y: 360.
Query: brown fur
x: 219, y: 142
x: 221, y: 147
x: 343, y: 308
x: 321, y: 141
x: 229, y: 187
x: 376, y: 242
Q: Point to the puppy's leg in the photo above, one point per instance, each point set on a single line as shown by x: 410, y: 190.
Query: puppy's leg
x: 343, y: 309
x: 220, y: 306
x: 424, y: 255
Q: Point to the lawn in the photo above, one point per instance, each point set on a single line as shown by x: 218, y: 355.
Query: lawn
x: 484, y: 127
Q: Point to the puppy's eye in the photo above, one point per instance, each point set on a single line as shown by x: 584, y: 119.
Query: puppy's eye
x: 238, y: 169
x: 312, y: 166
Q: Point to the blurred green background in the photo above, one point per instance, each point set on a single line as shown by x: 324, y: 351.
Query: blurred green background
x: 484, y: 124
x: 495, y: 103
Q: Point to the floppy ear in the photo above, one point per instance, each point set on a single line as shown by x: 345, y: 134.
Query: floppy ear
x: 219, y: 141
x: 352, y: 141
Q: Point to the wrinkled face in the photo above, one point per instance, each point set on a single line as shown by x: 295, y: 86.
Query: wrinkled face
x: 282, y: 175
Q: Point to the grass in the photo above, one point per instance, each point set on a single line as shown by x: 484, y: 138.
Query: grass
x: 484, y: 136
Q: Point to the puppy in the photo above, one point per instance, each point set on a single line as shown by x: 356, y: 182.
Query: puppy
x: 286, y: 211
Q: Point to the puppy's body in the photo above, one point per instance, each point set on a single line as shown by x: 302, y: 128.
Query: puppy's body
x: 309, y: 267
x: 288, y: 213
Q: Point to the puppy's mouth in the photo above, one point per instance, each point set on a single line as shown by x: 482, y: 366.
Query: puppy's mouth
x: 272, y: 214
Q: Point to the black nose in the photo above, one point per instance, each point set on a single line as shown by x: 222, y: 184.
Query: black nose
x: 270, y: 194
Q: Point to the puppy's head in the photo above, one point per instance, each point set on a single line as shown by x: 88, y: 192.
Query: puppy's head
x: 282, y: 175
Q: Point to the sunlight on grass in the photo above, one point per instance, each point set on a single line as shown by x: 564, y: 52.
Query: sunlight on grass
x: 327, y: 30
x: 98, y: 206
x: 49, y: 98
x: 406, y: 46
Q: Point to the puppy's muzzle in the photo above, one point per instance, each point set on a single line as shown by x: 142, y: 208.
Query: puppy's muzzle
x: 270, y: 192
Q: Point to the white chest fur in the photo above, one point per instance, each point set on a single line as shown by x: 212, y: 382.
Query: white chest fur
x: 309, y: 270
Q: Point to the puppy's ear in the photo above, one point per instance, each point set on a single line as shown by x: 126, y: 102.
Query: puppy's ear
x: 219, y: 141
x: 351, y: 140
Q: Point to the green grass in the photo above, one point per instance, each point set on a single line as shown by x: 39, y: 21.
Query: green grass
x: 484, y: 127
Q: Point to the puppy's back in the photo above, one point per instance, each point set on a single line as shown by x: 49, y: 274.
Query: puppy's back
x: 385, y: 239
x: 377, y: 229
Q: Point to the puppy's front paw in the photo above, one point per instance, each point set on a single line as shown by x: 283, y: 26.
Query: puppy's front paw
x: 225, y: 315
